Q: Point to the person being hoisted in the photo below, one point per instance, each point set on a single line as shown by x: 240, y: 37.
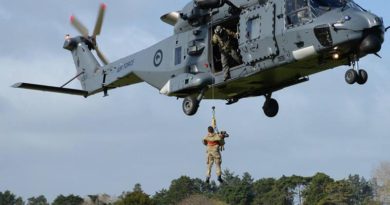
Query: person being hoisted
x: 213, y: 141
x: 215, y: 144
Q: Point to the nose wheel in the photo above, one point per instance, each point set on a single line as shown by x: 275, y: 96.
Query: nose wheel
x: 362, y: 77
x: 270, y: 107
x: 356, y: 75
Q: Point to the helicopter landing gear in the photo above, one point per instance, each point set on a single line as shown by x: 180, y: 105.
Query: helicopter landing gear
x: 351, y: 76
x: 271, y: 106
x: 363, y: 77
x: 356, y: 75
x: 191, y: 103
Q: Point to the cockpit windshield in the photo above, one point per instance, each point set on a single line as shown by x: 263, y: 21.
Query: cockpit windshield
x: 302, y: 11
x: 319, y: 7
x: 327, y: 3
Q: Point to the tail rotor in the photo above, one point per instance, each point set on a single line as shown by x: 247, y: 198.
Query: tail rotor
x: 85, y: 33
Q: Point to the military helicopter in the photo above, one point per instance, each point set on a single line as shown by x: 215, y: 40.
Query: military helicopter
x: 280, y: 43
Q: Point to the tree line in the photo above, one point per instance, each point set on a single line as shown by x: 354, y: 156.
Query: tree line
x: 319, y: 189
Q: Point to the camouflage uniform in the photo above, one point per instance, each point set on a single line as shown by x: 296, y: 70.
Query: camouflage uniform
x: 213, y: 141
x: 224, y: 38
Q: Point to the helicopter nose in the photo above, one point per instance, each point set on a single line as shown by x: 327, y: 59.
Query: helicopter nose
x: 362, y: 20
x: 373, y: 36
x: 372, y: 30
x: 370, y: 44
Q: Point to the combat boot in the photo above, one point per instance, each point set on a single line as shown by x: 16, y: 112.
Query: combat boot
x: 208, y: 180
x: 220, y: 179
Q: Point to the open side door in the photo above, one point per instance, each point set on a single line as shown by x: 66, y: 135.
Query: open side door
x: 215, y: 53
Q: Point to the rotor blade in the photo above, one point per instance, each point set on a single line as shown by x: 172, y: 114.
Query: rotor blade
x: 79, y: 26
x: 99, y: 21
x: 101, y: 56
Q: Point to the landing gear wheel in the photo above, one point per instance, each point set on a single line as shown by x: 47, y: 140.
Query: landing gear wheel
x: 271, y: 107
x: 351, y: 76
x: 190, y: 105
x: 362, y: 78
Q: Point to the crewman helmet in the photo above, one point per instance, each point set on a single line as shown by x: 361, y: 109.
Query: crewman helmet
x: 218, y: 30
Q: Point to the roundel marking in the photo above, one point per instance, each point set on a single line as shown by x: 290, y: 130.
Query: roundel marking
x: 158, y: 58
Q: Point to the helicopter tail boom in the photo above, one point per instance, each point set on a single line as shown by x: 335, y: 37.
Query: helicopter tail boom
x: 88, y: 69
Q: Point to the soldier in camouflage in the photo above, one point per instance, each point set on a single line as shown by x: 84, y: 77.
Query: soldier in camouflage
x: 225, y: 38
x: 213, y: 141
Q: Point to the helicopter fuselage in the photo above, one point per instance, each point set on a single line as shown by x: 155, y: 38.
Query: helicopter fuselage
x: 277, y: 50
x: 280, y: 44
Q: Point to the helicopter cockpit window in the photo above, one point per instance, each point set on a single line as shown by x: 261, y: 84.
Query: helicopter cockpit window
x: 352, y: 4
x: 297, y: 12
x: 320, y: 7
x: 328, y: 3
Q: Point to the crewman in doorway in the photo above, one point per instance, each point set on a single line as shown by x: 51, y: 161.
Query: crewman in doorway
x: 225, y: 39
x: 213, y: 141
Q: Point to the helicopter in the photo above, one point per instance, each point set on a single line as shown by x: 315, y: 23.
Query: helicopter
x: 280, y: 43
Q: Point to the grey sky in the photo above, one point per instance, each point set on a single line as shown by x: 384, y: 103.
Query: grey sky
x: 55, y: 144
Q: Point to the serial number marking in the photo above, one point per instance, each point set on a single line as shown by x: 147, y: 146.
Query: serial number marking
x: 124, y: 66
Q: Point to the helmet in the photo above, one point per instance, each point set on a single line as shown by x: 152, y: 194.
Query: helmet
x: 218, y: 30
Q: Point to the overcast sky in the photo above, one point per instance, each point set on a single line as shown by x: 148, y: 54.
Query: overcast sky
x: 55, y: 144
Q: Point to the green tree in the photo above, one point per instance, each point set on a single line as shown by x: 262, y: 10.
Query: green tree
x: 323, y: 190
x: 136, y: 197
x: 236, y: 190
x: 289, y: 188
x: 94, y: 198
x: 182, y: 188
x: 316, y: 189
x: 161, y: 197
x: 338, y: 193
x: 19, y: 201
x: 68, y: 200
x: 362, y: 190
x: 40, y: 200
x: 278, y: 192
x: 263, y: 190
x: 137, y: 188
x: 7, y: 198
x: 200, y: 200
